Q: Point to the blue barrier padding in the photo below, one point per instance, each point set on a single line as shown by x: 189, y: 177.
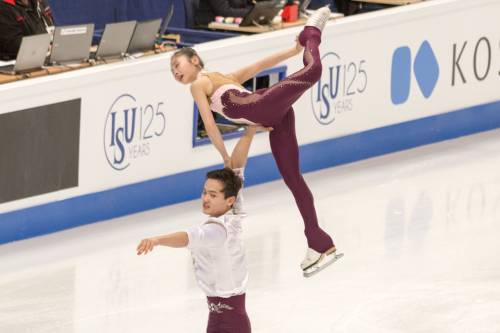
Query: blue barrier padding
x: 55, y: 216
x: 101, y: 12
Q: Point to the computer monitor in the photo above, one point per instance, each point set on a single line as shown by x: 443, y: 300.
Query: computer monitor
x: 262, y: 13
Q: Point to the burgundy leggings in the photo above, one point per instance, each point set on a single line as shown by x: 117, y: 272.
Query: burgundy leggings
x: 273, y: 107
x: 228, y: 315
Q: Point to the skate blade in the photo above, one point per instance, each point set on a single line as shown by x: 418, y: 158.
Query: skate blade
x: 316, y: 268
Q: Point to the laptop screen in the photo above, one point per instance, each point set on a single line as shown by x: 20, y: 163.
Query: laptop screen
x: 72, y: 43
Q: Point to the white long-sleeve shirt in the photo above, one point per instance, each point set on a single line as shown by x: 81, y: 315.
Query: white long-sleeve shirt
x: 218, y: 252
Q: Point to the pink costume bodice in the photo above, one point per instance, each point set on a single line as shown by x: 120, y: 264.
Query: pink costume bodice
x: 222, y: 84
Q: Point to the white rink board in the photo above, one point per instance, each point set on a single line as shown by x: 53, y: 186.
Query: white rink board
x: 360, y: 47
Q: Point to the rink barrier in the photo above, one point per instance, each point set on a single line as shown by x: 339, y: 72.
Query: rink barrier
x: 109, y: 204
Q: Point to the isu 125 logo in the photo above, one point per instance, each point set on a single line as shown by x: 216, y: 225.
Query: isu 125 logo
x: 130, y: 128
x: 340, y: 81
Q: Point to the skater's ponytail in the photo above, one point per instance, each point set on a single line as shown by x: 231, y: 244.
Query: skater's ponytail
x: 189, y: 52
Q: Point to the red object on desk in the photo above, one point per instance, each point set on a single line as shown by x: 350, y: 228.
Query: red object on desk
x: 290, y: 13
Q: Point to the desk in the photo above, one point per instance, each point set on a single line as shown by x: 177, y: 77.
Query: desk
x: 6, y: 78
x: 254, y: 29
x: 391, y: 2
x: 266, y: 28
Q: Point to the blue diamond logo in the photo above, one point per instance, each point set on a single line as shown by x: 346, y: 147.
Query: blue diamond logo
x: 426, y: 69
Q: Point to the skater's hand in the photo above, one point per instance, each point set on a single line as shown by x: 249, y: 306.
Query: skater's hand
x: 146, y: 246
x: 298, y: 47
x: 260, y: 128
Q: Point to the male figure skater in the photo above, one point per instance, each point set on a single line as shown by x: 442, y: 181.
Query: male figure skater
x: 216, y: 245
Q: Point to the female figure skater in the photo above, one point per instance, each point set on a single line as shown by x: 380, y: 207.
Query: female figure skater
x: 271, y: 107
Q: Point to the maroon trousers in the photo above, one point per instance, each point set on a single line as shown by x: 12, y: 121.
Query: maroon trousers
x: 273, y: 107
x: 228, y: 315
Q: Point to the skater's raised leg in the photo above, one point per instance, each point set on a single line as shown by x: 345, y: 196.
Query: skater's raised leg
x: 286, y: 153
x: 269, y: 106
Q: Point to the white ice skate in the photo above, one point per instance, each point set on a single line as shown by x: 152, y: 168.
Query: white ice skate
x: 315, y: 262
x: 319, y: 18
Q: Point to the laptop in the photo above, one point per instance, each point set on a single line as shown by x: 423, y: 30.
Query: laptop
x: 144, y: 36
x: 31, y: 55
x: 303, y: 6
x: 71, y: 44
x: 262, y: 13
x: 115, y: 40
x: 167, y: 19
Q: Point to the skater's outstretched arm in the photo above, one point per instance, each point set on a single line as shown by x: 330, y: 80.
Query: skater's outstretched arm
x: 239, y: 161
x: 207, y: 235
x: 176, y: 239
x: 240, y: 151
x: 198, y: 90
x: 250, y: 71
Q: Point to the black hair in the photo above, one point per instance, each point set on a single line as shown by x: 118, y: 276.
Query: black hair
x: 189, y: 52
x: 232, y: 182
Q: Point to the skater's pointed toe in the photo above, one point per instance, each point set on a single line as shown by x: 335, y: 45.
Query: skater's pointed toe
x: 315, y: 25
x: 319, y: 18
